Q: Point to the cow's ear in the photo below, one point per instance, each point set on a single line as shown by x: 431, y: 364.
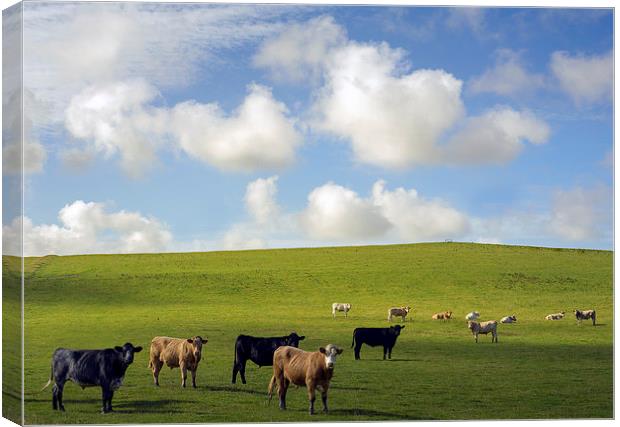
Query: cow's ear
x: 119, y: 349
x: 339, y: 351
x: 402, y: 327
x: 303, y: 337
x: 137, y: 349
x: 322, y: 350
x: 189, y: 340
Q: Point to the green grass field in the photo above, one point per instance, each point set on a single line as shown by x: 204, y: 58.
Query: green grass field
x: 539, y: 369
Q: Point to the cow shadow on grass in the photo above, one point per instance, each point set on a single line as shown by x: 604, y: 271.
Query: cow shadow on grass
x: 361, y: 412
x: 234, y: 389
x: 149, y: 406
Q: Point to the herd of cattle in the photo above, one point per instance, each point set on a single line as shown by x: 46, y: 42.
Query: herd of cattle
x: 291, y: 365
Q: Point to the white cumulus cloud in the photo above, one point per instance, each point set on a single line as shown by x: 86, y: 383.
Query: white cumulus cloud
x: 586, y: 79
x: 86, y: 227
x: 122, y: 117
x: 582, y: 213
x: 260, y: 199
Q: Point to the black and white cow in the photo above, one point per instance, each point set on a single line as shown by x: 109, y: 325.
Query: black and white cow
x: 585, y: 315
x: 374, y: 337
x: 89, y: 368
x: 259, y: 350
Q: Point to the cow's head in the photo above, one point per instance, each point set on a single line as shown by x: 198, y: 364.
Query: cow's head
x: 407, y: 309
x: 197, y: 343
x: 472, y: 325
x: 127, y: 351
x: 330, y: 352
x: 348, y: 306
x: 514, y: 318
x: 293, y: 339
x: 397, y: 329
x: 449, y: 314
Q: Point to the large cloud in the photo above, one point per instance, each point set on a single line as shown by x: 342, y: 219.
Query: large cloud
x: 86, y: 227
x: 586, y: 79
x: 123, y: 117
x: 393, y: 117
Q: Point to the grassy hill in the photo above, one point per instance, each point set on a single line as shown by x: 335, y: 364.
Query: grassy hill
x: 539, y: 369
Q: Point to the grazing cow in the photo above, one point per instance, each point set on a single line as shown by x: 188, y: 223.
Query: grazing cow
x: 259, y: 350
x: 555, y: 316
x: 303, y: 368
x: 483, y: 328
x: 89, y: 368
x: 446, y: 315
x: 509, y: 319
x: 474, y: 315
x: 340, y: 307
x: 585, y: 315
x: 176, y: 353
x: 374, y: 337
x: 398, y: 312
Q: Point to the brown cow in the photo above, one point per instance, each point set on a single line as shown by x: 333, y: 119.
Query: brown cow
x: 312, y: 369
x: 398, y: 312
x: 176, y: 353
x: 446, y: 315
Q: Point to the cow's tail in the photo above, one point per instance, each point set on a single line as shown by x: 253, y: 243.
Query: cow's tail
x: 272, y: 383
x: 353, y: 342
x: 593, y: 318
x: 50, y: 380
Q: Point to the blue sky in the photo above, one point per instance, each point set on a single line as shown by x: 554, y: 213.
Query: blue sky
x: 198, y: 127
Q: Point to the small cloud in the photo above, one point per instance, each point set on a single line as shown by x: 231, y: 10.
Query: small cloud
x: 586, y: 79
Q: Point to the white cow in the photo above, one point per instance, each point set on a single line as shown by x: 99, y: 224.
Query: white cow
x: 474, y: 315
x: 483, y: 328
x: 338, y: 306
x: 509, y: 319
x: 555, y: 316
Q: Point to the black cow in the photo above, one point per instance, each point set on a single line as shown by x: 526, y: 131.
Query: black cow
x: 374, y: 337
x: 87, y: 368
x: 259, y: 350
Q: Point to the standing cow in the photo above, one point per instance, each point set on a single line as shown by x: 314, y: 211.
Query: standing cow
x: 585, y: 315
x: 483, y: 328
x: 176, y: 353
x: 374, y: 337
x: 338, y: 306
x: 259, y: 350
x: 86, y: 368
x: 303, y: 368
x: 398, y: 312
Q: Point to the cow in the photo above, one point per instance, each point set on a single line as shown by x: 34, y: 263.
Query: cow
x: 303, y: 368
x: 446, y: 315
x: 340, y: 307
x: 474, y: 315
x: 483, y: 328
x: 509, y: 319
x: 585, y: 315
x: 398, y: 312
x: 555, y: 316
x: 374, y: 337
x: 89, y: 368
x: 259, y: 350
x: 184, y: 353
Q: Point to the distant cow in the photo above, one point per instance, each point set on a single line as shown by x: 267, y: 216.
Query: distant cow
x: 340, y: 307
x: 446, y: 315
x: 184, y: 353
x: 585, y: 315
x: 509, y: 319
x: 398, y: 312
x: 483, y: 328
x: 374, y: 337
x: 259, y: 350
x: 302, y: 368
x: 474, y: 315
x: 555, y: 316
x: 86, y: 368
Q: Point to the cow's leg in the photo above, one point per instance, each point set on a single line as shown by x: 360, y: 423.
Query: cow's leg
x: 390, y: 352
x: 193, y: 371
x: 476, y: 338
x: 157, y: 365
x: 183, y: 374
x: 282, y: 386
x: 242, y: 371
x: 311, y: 395
x: 106, y: 399
x: 384, y: 351
x: 324, y: 397
x: 57, y: 395
x: 357, y: 349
